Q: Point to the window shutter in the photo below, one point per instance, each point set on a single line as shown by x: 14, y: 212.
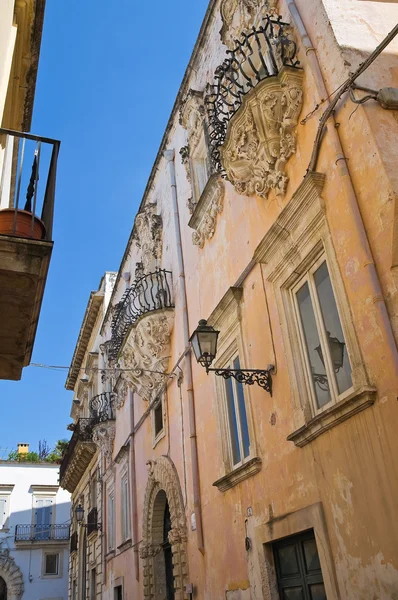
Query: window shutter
x: 3, y: 503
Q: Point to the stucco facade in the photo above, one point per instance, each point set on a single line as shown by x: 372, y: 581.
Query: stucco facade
x: 34, y: 532
x: 285, y: 241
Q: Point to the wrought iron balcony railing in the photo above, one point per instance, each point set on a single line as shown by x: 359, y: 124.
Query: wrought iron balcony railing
x: 148, y: 293
x: 37, y: 533
x: 259, y: 54
x: 27, y: 208
x: 73, y: 542
x: 102, y: 408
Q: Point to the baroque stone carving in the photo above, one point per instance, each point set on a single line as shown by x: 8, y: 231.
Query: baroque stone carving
x: 146, y: 353
x: 121, y: 390
x: 103, y: 437
x: 192, y: 115
x: 148, y: 236
x: 163, y: 485
x: 239, y: 16
x: 12, y: 575
x: 261, y: 135
x: 204, y: 218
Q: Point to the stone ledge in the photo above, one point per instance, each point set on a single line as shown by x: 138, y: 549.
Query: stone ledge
x: 124, y: 546
x: 357, y: 401
x: 249, y: 468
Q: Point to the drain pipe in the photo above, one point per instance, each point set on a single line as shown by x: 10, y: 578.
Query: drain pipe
x: 169, y: 156
x: 366, y: 259
x: 133, y: 488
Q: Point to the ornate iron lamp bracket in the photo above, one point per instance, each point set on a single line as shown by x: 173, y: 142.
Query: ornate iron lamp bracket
x: 262, y: 377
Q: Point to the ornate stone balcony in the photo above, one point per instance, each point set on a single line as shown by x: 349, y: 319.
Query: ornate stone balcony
x: 141, y: 329
x: 253, y: 108
x: 88, y: 434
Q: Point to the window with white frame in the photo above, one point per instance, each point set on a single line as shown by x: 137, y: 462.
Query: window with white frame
x: 5, y: 501
x: 125, y: 506
x: 51, y: 564
x: 158, y: 419
x: 323, y: 345
x: 111, y: 520
x: 238, y: 427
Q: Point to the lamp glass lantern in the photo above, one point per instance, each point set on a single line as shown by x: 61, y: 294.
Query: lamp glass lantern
x: 336, y: 349
x: 79, y: 513
x: 204, y: 343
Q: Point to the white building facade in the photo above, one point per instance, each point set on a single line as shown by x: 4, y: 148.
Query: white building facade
x: 34, y: 532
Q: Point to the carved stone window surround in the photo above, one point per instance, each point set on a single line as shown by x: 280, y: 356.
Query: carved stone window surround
x: 195, y: 155
x: 239, y: 16
x: 226, y: 318
x: 298, y: 237
x: 205, y: 214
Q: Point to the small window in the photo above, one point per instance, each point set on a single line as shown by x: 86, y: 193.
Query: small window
x: 118, y: 593
x: 322, y: 338
x: 4, y: 502
x: 93, y: 491
x: 237, y: 418
x: 111, y: 521
x: 158, y: 417
x: 298, y: 568
x: 51, y: 564
x: 125, y: 509
x: 93, y: 584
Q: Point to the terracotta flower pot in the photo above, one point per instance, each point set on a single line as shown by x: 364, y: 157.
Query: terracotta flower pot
x: 23, y: 225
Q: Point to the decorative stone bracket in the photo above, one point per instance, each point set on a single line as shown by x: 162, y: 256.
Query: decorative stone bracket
x: 239, y: 16
x: 103, y: 437
x: 261, y: 135
x: 148, y: 236
x: 146, y: 353
x: 204, y: 218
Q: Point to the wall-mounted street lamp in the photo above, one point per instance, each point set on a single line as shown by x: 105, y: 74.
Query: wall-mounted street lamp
x: 204, y: 344
x: 79, y: 514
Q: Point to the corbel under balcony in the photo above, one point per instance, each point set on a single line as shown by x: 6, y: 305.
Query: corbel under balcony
x: 81, y: 450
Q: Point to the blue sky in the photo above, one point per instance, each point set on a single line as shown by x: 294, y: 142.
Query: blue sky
x: 108, y: 76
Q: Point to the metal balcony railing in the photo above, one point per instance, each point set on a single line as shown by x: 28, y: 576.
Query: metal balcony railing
x: 28, y: 166
x: 36, y: 533
x: 102, y: 407
x: 258, y: 55
x: 148, y: 293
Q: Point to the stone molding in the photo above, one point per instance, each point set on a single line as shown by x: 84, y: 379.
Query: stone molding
x: 148, y: 236
x: 146, y: 353
x: 261, y: 135
x: 82, y: 456
x: 163, y: 477
x: 104, y: 436
x: 210, y: 205
x: 12, y: 575
x: 339, y: 412
x: 249, y: 468
x: 239, y: 16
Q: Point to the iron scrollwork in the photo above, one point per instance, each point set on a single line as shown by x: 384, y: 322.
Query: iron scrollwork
x: 263, y: 378
x: 258, y: 55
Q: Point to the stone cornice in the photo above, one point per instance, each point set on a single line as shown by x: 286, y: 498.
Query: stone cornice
x: 228, y: 305
x: 306, y: 194
x: 93, y: 306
